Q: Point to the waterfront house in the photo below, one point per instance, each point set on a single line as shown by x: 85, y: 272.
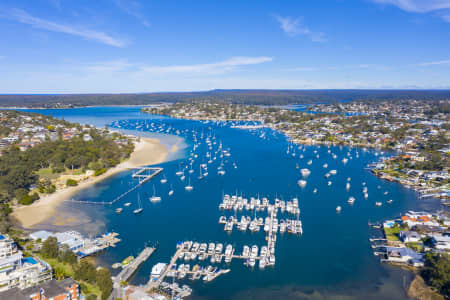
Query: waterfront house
x: 414, y: 218
x: 404, y: 255
x: 409, y: 236
x: 440, y: 241
x: 428, y: 229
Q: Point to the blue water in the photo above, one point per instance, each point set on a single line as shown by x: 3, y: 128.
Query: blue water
x: 332, y: 259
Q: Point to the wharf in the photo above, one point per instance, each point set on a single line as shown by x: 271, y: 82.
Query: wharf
x: 131, y: 268
x: 92, y: 246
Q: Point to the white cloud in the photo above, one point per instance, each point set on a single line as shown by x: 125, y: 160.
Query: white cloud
x: 211, y: 68
x: 23, y: 17
x: 420, y: 6
x: 445, y: 17
x: 435, y: 63
x: 294, y: 26
x: 133, y: 8
x: 441, y: 7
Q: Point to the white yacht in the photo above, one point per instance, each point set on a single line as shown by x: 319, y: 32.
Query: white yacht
x: 302, y: 183
x: 262, y: 262
x: 157, y: 271
x: 179, y: 172
x: 201, y: 175
x: 246, y: 251
x: 305, y: 172
x: 338, y: 209
x: 139, y: 209
x: 351, y: 200
x: 154, y: 198
x: 189, y: 187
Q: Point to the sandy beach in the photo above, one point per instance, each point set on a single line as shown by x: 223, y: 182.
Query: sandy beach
x: 146, y: 152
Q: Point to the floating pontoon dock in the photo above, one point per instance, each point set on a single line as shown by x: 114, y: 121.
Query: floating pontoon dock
x: 144, y: 174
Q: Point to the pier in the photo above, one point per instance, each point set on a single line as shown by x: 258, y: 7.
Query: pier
x: 92, y: 246
x: 131, y: 268
x: 144, y: 174
x: 172, y: 262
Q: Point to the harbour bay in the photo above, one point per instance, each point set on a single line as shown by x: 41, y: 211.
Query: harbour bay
x: 332, y: 258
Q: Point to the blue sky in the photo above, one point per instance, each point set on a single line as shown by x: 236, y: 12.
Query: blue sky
x: 117, y: 46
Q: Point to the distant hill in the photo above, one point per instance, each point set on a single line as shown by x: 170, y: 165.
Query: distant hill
x: 265, y: 97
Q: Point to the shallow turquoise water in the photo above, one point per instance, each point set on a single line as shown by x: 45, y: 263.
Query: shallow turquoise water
x: 331, y: 260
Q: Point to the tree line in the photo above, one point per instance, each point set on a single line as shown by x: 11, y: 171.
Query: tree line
x: 18, y: 168
x: 260, y: 97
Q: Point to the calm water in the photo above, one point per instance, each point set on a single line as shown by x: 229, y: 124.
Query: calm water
x: 331, y: 260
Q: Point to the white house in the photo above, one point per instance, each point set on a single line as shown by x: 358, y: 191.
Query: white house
x: 409, y: 236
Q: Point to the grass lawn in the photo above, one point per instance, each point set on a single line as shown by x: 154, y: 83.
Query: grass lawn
x: 46, y: 173
x: 68, y: 270
x: 418, y: 247
x: 392, y: 233
x: 74, y: 172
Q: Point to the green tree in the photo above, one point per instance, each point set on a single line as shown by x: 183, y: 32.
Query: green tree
x: 85, y: 271
x: 59, y: 272
x: 26, y: 200
x: 71, y: 182
x: 66, y: 255
x: 437, y: 272
x: 50, y: 247
x: 104, y: 282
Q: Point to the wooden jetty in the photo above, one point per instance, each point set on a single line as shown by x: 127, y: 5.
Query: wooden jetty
x: 140, y: 174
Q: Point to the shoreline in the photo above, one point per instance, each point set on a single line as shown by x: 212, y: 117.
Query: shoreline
x: 46, y: 207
